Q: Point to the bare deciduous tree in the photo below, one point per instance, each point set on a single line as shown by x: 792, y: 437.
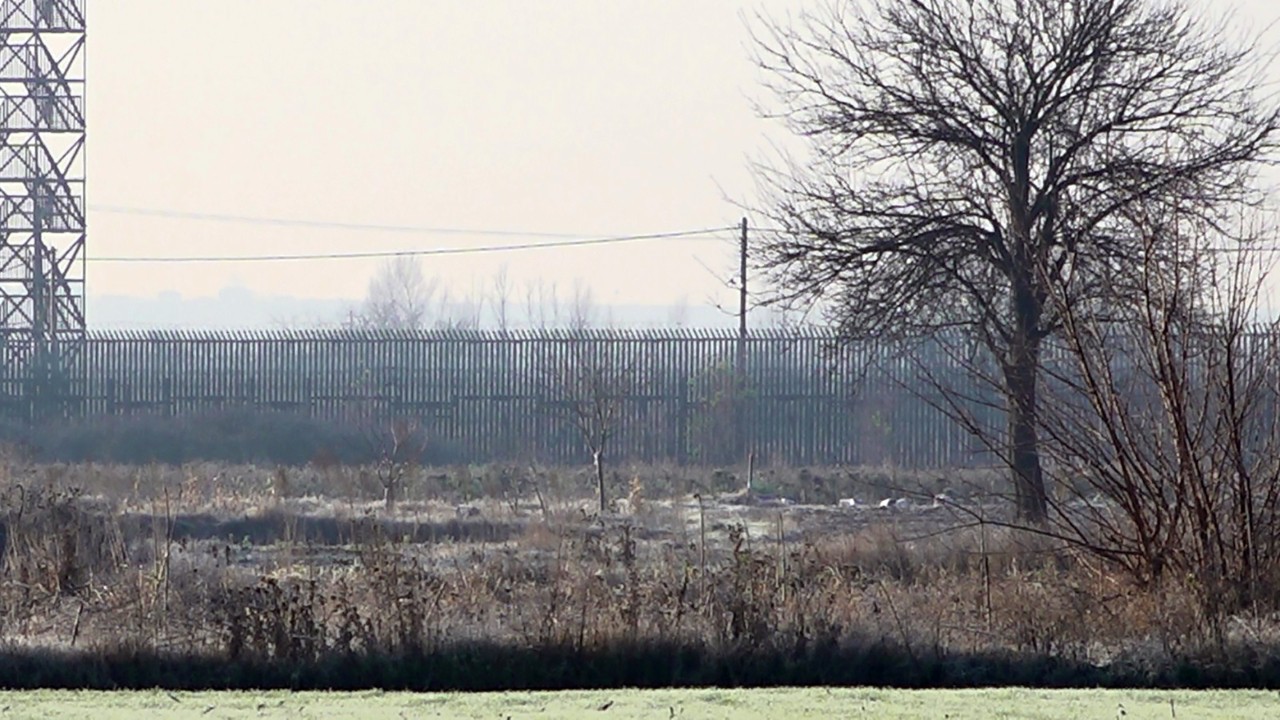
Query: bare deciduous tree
x: 542, y: 304
x: 969, y: 155
x: 398, y: 446
x: 500, y: 299
x: 547, y: 308
x: 587, y: 389
x: 582, y: 307
x: 400, y: 297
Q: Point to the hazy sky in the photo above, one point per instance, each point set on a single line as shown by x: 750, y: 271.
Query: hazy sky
x: 597, y: 117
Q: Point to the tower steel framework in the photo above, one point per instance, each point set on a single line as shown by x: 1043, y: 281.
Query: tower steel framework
x: 42, y: 198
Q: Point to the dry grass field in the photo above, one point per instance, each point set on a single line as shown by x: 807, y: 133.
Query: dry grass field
x: 505, y: 577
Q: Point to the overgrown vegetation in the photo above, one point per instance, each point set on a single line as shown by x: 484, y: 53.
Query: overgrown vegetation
x: 489, y: 578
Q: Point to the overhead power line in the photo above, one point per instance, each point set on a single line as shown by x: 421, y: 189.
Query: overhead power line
x: 320, y: 224
x: 704, y: 232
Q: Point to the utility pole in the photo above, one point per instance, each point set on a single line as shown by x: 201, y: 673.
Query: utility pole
x: 742, y: 296
x: 741, y: 369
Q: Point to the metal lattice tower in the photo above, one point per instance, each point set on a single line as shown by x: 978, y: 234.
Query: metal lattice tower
x: 42, y: 181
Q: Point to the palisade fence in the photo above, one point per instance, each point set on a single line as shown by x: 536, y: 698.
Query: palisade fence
x: 802, y: 397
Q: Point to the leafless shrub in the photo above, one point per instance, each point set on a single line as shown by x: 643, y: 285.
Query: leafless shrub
x: 399, y: 445
x: 52, y: 545
x: 1166, y: 416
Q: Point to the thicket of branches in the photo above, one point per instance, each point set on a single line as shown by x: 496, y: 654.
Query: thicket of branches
x: 1167, y: 415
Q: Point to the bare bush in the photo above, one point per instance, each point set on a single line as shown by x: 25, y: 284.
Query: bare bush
x: 53, y: 544
x: 1163, y: 427
x: 399, y: 445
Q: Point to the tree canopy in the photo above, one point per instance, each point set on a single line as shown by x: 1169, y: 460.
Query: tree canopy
x: 969, y: 157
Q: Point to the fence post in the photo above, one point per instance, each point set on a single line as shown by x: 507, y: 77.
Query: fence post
x: 682, y: 420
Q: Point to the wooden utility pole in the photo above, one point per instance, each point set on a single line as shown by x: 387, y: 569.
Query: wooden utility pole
x: 742, y: 299
x: 740, y: 371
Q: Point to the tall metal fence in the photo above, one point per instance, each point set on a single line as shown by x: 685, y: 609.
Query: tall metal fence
x: 665, y: 395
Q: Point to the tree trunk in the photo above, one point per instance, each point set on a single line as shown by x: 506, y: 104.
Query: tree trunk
x: 597, y: 458
x: 390, y: 493
x: 1021, y: 375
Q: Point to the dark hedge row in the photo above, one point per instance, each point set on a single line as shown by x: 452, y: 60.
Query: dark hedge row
x: 492, y: 667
